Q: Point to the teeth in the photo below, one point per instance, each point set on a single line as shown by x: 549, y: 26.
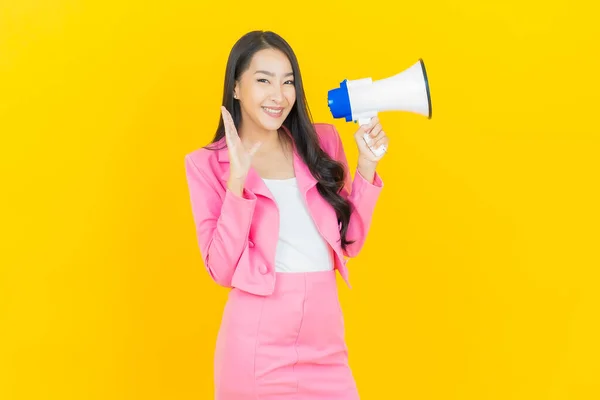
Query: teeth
x: 272, y: 111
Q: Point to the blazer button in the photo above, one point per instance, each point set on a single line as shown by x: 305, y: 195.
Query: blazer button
x: 250, y: 243
x: 263, y: 269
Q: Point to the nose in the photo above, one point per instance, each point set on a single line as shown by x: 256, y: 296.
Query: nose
x: 277, y: 94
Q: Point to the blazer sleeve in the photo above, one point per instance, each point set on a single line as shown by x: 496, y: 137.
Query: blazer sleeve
x: 222, y: 220
x: 362, y: 195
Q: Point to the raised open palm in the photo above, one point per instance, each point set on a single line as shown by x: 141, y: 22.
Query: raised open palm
x: 239, y: 158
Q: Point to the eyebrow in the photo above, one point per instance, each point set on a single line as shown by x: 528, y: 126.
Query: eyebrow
x: 270, y: 73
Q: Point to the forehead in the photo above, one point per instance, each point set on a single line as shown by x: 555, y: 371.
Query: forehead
x: 270, y: 60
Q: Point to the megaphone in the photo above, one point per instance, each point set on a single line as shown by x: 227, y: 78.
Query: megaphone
x: 361, y: 99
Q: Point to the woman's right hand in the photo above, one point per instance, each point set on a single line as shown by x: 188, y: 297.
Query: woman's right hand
x: 240, y: 159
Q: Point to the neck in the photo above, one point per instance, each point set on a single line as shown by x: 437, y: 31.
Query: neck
x: 252, y: 134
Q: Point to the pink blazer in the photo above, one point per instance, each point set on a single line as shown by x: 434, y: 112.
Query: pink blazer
x: 237, y: 235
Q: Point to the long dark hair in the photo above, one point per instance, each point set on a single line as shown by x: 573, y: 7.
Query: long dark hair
x: 329, y: 173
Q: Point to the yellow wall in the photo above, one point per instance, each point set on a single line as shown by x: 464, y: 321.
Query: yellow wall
x: 479, y: 280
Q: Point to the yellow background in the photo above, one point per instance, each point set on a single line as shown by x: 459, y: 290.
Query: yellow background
x: 479, y: 279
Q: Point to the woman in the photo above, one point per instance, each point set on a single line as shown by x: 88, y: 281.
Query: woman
x: 276, y: 213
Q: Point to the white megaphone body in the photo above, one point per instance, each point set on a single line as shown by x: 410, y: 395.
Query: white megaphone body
x: 361, y: 99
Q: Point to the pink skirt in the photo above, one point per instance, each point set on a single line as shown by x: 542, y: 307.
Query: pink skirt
x: 289, y: 345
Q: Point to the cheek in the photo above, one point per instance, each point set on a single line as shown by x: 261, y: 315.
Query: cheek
x: 254, y: 93
x: 257, y: 97
x: 290, y: 96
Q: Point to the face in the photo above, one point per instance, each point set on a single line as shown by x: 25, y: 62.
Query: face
x: 266, y: 90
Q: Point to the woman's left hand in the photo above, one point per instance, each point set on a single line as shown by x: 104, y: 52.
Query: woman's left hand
x: 377, y: 138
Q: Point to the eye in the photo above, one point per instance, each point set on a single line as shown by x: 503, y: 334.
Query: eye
x: 291, y: 82
x: 262, y: 80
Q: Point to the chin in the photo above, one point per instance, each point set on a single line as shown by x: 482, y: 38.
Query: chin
x: 272, y: 125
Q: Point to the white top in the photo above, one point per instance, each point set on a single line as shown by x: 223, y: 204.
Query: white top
x: 300, y: 247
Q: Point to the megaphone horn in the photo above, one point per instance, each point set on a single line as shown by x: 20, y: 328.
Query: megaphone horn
x: 360, y: 100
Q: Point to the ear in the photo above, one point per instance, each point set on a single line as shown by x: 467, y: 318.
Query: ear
x: 236, y: 91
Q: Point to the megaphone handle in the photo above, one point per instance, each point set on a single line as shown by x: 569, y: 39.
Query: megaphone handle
x: 379, y: 151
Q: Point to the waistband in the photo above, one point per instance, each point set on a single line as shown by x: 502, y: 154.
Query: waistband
x: 287, y: 280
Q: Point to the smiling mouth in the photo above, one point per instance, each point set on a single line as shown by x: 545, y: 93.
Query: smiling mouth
x: 273, y: 111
